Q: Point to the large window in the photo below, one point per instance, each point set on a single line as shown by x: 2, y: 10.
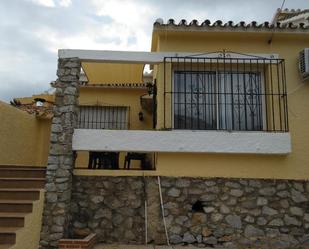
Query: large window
x: 211, y: 100
x: 233, y: 92
x: 103, y: 117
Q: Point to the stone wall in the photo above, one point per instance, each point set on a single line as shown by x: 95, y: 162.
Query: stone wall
x: 260, y: 213
x: 206, y: 212
x: 112, y: 207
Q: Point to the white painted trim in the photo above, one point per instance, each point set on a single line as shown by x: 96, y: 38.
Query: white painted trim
x: 142, y: 57
x: 182, y: 141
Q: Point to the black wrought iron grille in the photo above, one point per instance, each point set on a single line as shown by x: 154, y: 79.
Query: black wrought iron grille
x: 103, y: 117
x: 241, y: 94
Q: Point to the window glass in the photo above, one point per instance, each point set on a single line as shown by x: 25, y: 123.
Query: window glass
x: 217, y: 100
x: 194, y: 100
x: 239, y: 101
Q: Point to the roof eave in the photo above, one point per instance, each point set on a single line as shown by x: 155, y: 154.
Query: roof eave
x: 229, y: 29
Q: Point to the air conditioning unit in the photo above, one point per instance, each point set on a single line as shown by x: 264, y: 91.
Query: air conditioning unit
x: 304, y: 64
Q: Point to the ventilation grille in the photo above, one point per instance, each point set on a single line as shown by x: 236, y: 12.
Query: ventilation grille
x: 304, y: 63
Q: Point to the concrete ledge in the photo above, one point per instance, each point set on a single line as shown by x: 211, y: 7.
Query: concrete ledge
x: 106, y: 172
x: 182, y: 141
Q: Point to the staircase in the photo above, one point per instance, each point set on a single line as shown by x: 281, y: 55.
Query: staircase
x: 21, y: 203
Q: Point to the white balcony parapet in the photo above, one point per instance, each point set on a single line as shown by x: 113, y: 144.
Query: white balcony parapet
x: 182, y: 141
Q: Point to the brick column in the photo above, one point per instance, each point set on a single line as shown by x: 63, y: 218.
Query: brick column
x: 60, y: 164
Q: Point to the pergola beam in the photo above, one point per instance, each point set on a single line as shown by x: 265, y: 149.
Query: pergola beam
x: 139, y: 57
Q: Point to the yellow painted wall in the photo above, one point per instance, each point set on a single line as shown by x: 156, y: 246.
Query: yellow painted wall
x: 44, y: 134
x: 293, y: 166
x: 28, y: 237
x: 24, y: 139
x: 115, y: 97
x: 102, y: 73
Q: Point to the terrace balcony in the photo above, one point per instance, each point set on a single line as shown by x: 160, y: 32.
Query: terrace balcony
x: 207, y: 103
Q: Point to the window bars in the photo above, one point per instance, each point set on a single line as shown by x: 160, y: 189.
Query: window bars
x: 103, y: 117
x: 220, y: 93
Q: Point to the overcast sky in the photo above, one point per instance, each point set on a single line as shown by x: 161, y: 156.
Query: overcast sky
x: 32, y: 31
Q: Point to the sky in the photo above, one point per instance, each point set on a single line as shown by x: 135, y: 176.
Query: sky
x: 32, y: 31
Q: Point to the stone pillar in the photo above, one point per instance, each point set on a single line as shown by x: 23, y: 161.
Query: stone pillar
x: 56, y: 216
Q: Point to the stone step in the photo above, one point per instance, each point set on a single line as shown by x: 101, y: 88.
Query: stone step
x: 12, y: 219
x: 19, y: 194
x: 21, y: 172
x: 23, y: 206
x: 22, y: 182
x: 8, y: 235
x: 6, y: 246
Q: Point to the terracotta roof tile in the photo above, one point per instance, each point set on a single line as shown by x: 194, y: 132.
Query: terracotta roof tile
x: 40, y: 112
x: 252, y: 26
x: 117, y: 85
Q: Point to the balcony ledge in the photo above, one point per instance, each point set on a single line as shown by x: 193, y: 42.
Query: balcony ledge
x: 182, y: 141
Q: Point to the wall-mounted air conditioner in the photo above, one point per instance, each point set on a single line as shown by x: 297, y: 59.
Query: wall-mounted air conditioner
x: 304, y: 64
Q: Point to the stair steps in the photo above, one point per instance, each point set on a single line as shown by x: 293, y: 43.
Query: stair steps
x: 23, y: 206
x: 19, y: 194
x: 21, y: 182
x: 22, y: 172
x: 19, y: 188
x: 8, y: 235
x: 6, y: 246
x: 12, y: 219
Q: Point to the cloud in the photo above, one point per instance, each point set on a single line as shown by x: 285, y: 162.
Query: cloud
x: 33, y: 30
x: 52, y: 3
x: 46, y: 3
x: 65, y: 3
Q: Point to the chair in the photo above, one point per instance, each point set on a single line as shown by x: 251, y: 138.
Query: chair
x: 135, y: 156
x: 103, y: 160
x: 94, y: 160
x: 109, y: 160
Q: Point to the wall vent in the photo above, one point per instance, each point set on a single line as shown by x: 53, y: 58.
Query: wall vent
x: 304, y: 63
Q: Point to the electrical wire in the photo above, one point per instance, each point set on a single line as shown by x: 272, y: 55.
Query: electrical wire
x: 272, y: 34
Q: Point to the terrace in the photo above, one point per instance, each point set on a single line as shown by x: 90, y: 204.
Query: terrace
x: 221, y: 102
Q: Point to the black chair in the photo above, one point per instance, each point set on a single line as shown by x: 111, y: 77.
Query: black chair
x: 135, y: 156
x: 109, y: 160
x: 94, y: 160
x: 103, y: 160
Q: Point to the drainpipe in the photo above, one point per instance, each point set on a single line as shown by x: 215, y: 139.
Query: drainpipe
x: 146, y: 211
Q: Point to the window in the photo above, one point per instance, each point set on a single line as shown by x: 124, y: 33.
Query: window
x: 103, y: 117
x: 233, y: 92
x: 218, y: 100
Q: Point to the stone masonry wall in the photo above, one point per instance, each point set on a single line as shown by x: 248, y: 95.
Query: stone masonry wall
x: 248, y: 213
x: 61, y: 158
x: 112, y: 207
x: 212, y: 212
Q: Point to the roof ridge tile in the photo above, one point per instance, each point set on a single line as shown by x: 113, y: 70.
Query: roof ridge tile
x: 230, y: 24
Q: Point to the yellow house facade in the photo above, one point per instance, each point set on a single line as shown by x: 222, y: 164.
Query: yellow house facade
x: 258, y: 44
x: 240, y: 40
x: 121, y: 84
x: 216, y: 133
